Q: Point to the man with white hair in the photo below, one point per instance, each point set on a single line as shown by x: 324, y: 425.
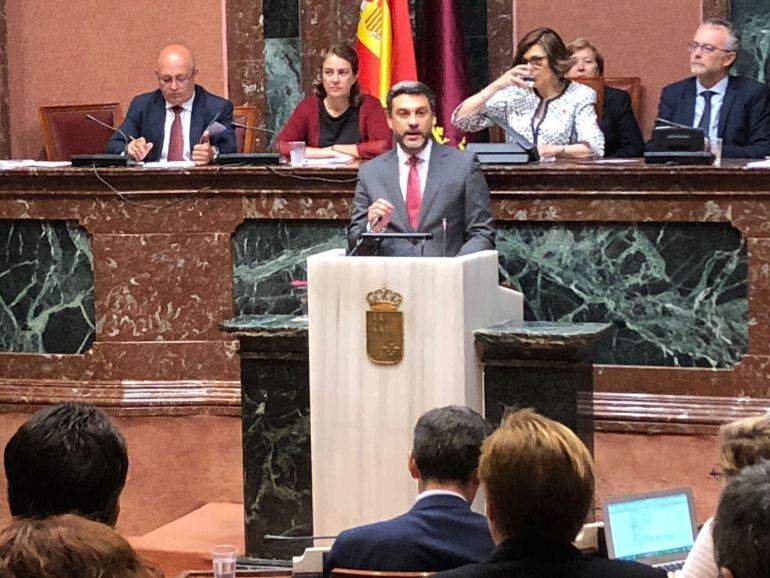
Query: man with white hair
x: 733, y: 108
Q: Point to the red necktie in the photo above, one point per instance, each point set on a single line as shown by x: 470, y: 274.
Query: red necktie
x: 413, y: 196
x: 176, y: 142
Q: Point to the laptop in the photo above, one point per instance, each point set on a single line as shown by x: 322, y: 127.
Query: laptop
x: 656, y: 528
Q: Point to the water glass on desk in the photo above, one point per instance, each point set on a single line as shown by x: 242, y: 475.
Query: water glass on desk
x: 223, y: 558
x: 296, y: 153
x: 715, y: 145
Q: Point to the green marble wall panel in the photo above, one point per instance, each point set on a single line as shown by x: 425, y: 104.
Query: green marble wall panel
x: 46, y: 287
x: 675, y: 293
x: 283, y: 80
x: 276, y: 456
x: 752, y: 18
x: 269, y: 255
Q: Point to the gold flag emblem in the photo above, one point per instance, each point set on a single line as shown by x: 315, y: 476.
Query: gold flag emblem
x: 384, y: 327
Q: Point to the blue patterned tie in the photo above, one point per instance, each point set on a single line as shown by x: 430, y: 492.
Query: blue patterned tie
x: 705, y: 119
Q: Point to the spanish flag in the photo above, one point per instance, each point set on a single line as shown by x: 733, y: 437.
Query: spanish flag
x: 385, y: 46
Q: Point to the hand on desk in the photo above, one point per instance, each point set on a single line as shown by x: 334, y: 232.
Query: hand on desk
x: 379, y: 215
x: 138, y: 149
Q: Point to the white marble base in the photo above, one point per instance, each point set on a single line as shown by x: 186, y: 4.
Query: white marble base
x: 362, y: 414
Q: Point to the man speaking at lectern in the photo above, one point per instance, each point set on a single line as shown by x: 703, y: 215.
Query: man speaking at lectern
x: 420, y: 186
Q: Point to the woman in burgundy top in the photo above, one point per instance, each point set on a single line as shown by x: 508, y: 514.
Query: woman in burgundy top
x: 338, y: 119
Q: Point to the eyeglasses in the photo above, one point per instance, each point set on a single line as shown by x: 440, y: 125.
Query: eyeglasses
x: 180, y: 80
x: 706, y: 48
x: 536, y: 61
x: 716, y: 473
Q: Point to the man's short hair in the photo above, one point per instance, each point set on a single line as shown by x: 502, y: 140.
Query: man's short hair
x: 68, y: 458
x: 742, y: 524
x: 538, y: 476
x: 410, y: 87
x: 733, y: 36
x: 447, y: 443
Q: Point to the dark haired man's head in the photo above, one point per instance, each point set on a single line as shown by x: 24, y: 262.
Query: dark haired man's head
x: 411, y: 107
x: 68, y: 458
x: 446, y: 449
x: 742, y: 525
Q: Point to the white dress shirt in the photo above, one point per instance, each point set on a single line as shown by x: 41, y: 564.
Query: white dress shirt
x: 427, y: 493
x: 186, y: 116
x: 422, y: 167
x: 719, y: 90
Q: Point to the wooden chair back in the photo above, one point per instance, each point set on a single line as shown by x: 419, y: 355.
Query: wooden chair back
x: 597, y: 83
x: 67, y: 131
x: 245, y: 137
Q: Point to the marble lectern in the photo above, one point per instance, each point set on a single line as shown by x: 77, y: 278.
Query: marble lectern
x: 362, y: 413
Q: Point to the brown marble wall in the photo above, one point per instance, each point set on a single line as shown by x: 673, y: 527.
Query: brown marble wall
x: 322, y: 23
x: 163, y: 276
x: 5, y: 112
x: 246, y: 57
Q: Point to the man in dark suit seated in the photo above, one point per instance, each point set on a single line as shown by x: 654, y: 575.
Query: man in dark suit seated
x: 176, y: 122
x: 539, y: 482
x: 742, y: 525
x: 421, y: 186
x: 66, y: 459
x: 440, y: 531
x: 733, y: 108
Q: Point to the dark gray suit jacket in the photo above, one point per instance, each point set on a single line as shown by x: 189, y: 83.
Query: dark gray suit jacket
x: 455, y: 190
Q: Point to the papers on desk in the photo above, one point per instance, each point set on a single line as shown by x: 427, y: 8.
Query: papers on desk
x: 29, y: 163
x: 169, y: 165
x: 763, y: 164
x: 329, y: 162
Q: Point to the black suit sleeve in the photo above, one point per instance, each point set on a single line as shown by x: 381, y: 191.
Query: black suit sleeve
x: 131, y: 127
x: 479, y: 227
x: 225, y: 141
x: 666, y: 109
x: 630, y: 137
x: 758, y: 128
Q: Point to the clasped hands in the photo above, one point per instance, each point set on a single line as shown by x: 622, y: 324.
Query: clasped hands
x: 202, y: 153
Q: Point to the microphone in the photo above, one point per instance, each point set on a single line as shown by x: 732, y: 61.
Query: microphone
x: 126, y: 137
x: 259, y: 128
x: 443, y: 226
x: 671, y: 123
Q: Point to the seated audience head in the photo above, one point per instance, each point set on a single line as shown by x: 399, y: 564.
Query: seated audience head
x: 742, y: 525
x: 339, y: 75
x: 586, y: 59
x: 713, y: 50
x: 176, y: 72
x: 68, y: 546
x: 742, y: 443
x: 68, y: 458
x: 538, y: 477
x: 446, y: 448
x: 545, y: 52
x: 411, y: 106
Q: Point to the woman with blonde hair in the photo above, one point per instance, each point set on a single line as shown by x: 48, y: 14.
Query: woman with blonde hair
x: 742, y: 443
x: 68, y: 546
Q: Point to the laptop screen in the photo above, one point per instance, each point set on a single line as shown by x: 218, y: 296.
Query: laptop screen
x: 651, y: 526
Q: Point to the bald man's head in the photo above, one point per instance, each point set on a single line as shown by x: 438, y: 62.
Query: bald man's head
x: 176, y: 73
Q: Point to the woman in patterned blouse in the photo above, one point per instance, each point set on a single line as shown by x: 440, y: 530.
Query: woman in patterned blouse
x: 537, y: 101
